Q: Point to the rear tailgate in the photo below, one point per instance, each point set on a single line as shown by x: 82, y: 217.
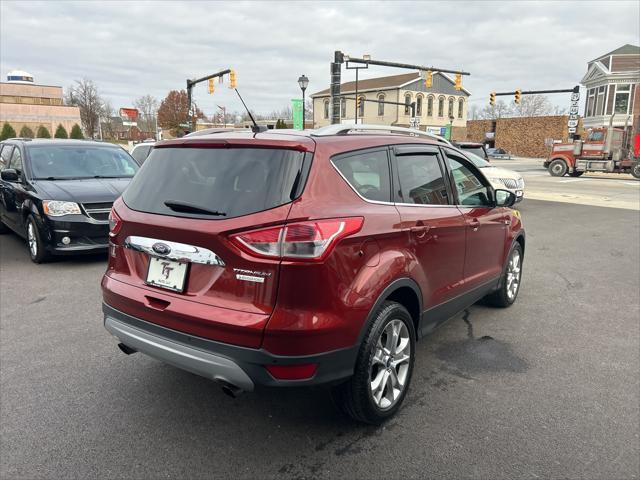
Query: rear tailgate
x: 221, y: 293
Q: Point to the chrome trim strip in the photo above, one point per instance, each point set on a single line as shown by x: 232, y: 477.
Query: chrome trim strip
x: 180, y: 252
x: 182, y: 356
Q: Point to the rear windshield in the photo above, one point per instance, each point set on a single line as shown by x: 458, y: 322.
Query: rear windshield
x: 53, y: 162
x: 214, y: 182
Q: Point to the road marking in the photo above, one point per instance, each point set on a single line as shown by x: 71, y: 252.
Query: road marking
x: 637, y: 184
x: 573, y: 180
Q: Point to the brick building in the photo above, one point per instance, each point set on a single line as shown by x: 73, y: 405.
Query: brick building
x: 24, y: 103
x: 521, y: 136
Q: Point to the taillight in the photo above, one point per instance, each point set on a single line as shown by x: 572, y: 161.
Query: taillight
x: 115, y: 223
x: 307, y: 241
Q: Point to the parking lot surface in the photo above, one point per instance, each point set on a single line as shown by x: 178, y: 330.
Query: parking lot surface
x: 547, y: 388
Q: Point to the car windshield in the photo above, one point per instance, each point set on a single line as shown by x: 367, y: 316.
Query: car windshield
x: 73, y: 161
x: 475, y: 159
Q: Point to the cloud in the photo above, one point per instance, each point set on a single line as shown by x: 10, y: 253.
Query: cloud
x: 135, y: 48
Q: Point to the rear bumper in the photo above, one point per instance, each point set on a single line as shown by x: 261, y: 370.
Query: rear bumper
x: 240, y: 366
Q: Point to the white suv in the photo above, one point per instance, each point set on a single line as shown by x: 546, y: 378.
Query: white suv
x: 499, y: 177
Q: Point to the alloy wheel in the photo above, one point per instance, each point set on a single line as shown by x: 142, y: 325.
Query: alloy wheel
x: 513, y: 275
x: 31, y: 238
x: 390, y: 364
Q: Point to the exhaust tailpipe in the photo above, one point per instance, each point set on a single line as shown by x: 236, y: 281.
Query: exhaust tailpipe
x: 125, y: 349
x: 232, y: 390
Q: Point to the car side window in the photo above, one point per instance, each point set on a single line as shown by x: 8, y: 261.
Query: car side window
x: 471, y: 189
x: 16, y: 161
x: 141, y: 153
x: 5, y: 156
x: 368, y: 174
x: 421, y: 179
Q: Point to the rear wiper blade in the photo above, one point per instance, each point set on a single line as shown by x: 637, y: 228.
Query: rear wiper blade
x: 179, y: 206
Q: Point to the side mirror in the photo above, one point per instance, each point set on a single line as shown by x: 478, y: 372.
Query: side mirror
x: 504, y: 198
x: 9, y: 175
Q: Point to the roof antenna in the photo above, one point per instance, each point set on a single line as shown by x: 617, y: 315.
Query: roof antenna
x: 256, y: 128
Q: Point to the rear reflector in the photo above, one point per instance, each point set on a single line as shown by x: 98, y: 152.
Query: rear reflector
x: 307, y: 241
x: 292, y: 372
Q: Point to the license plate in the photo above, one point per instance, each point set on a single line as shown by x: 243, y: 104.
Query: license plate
x: 166, y: 273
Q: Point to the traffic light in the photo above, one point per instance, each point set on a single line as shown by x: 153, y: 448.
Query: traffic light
x: 212, y: 86
x: 428, y: 79
x: 358, y: 102
x: 458, y: 85
x: 492, y: 99
x: 233, y: 82
x: 518, y: 98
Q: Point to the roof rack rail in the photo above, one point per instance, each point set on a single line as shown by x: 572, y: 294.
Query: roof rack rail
x: 211, y: 131
x: 345, y: 129
x: 24, y: 139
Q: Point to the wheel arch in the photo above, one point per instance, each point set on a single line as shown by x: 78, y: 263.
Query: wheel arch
x: 404, y: 291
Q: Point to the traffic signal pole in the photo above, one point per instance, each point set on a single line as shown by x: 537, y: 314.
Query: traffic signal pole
x: 190, y: 85
x: 336, y: 74
x: 539, y: 92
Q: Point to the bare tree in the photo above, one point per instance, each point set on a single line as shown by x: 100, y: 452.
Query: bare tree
x: 147, y: 105
x: 533, y: 106
x: 84, y: 94
x: 499, y: 110
x: 473, y: 113
x: 108, y: 120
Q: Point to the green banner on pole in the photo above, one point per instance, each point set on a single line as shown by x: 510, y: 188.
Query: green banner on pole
x: 296, y: 108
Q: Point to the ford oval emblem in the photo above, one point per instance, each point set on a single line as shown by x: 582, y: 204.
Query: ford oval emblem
x: 161, y: 248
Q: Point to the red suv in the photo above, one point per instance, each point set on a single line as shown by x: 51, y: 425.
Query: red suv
x: 306, y: 258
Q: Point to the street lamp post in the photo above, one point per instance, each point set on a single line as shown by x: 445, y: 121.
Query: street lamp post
x: 451, y: 118
x: 303, y: 81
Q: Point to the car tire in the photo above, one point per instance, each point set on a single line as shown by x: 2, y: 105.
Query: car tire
x: 575, y: 174
x: 635, y: 171
x: 370, y: 395
x: 37, y: 250
x: 558, y: 168
x: 510, y: 281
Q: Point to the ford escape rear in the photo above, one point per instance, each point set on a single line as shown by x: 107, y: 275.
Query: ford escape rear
x: 285, y: 259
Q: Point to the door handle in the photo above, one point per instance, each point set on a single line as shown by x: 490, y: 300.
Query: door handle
x: 420, y: 230
x: 475, y: 224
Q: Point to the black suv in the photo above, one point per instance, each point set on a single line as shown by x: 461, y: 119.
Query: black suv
x: 57, y: 194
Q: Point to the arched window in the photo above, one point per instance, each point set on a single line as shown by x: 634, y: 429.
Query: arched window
x: 361, y: 108
x: 380, y: 105
x: 343, y: 107
x: 326, y: 109
x: 430, y: 106
x: 460, y: 107
x: 407, y: 104
x: 419, y: 106
x: 441, y: 106
x: 451, y: 107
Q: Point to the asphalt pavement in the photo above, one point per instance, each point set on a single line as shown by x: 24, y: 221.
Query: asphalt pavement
x: 548, y: 388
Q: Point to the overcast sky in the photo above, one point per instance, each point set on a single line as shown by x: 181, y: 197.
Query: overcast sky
x: 134, y: 48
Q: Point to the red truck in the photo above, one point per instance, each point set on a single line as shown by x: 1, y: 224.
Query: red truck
x: 605, y: 149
